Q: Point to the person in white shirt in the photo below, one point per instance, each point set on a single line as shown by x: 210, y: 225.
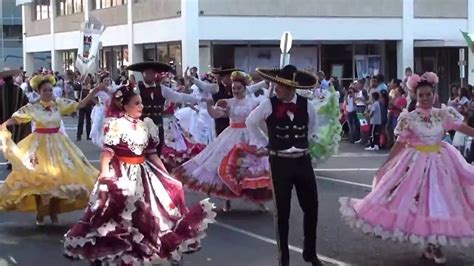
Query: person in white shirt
x: 352, y: 120
x: 291, y: 123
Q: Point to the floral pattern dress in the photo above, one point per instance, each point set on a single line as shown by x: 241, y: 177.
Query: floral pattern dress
x: 137, y: 213
x: 229, y: 167
x: 178, y: 147
x: 46, y: 163
x: 425, y: 194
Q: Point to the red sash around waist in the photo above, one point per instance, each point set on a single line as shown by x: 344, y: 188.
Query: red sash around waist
x: 50, y: 130
x: 238, y: 125
x: 132, y: 160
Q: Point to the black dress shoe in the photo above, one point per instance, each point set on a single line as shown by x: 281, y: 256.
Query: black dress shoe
x: 9, y: 166
x: 89, y: 139
x: 78, y: 139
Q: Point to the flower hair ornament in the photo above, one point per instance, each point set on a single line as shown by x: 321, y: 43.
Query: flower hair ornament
x: 428, y: 78
x: 38, y: 79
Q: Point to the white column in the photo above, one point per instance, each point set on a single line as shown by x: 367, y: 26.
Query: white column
x: 405, y: 48
x: 190, y: 40
x: 470, y: 29
x: 87, y: 8
x: 27, y: 58
x: 132, y: 58
x: 56, y: 61
x: 28, y: 63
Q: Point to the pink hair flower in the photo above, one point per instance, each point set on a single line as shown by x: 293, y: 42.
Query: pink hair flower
x: 413, y: 81
x: 430, y: 77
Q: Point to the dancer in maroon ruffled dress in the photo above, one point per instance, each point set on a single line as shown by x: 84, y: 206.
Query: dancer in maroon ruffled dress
x: 137, y: 211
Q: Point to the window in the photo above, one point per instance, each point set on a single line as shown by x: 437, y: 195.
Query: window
x: 69, y: 58
x: 169, y: 53
x: 43, y: 9
x: 68, y: 7
x: 99, y: 4
x: 12, y: 31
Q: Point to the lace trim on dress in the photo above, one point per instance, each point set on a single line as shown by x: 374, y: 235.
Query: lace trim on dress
x: 135, y: 135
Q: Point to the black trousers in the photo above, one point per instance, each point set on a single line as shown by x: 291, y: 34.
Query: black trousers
x: 354, y: 126
x: 286, y: 174
x: 84, y: 114
x: 375, y: 135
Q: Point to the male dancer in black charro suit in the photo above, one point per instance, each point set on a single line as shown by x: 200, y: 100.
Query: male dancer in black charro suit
x: 154, y: 94
x: 291, y: 123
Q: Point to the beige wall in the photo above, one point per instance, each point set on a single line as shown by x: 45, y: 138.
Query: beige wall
x: 111, y: 16
x: 302, y: 8
x: 440, y: 8
x: 156, y: 9
x: 35, y: 27
x: 68, y: 23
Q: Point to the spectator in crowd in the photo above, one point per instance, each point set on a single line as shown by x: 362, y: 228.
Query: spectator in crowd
x: 408, y: 73
x: 361, y: 95
x: 85, y: 113
x: 69, y: 85
x: 393, y: 87
x: 133, y: 81
x: 453, y: 95
x: 471, y: 103
x: 375, y: 117
x: 324, y: 84
x: 395, y: 107
x: 351, y: 114
x: 379, y: 83
x: 194, y: 72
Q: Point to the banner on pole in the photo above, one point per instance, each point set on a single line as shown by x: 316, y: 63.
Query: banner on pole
x: 88, y: 50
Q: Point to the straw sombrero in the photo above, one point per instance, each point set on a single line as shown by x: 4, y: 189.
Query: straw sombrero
x: 157, y: 66
x: 38, y: 79
x: 289, y: 76
x: 224, y: 70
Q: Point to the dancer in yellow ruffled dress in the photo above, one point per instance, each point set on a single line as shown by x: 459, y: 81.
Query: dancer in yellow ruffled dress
x: 50, y: 174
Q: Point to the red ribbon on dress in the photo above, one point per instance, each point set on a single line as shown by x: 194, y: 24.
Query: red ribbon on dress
x: 51, y: 130
x: 283, y: 108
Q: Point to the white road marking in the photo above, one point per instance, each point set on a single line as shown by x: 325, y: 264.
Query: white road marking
x: 344, y: 182
x: 356, y: 154
x: 344, y: 169
x: 273, y: 242
x: 91, y: 161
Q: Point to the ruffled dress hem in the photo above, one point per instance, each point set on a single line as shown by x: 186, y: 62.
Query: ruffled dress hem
x: 356, y: 222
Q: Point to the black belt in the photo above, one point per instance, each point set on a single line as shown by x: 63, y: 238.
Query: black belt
x: 289, y: 155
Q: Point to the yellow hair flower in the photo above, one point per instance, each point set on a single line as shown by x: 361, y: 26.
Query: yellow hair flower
x: 38, y: 79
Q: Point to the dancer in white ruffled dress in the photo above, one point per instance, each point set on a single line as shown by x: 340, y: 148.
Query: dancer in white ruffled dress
x: 98, y: 112
x: 196, y: 120
x: 229, y: 167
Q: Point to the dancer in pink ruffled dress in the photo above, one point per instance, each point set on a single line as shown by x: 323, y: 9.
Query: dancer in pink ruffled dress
x: 424, y: 193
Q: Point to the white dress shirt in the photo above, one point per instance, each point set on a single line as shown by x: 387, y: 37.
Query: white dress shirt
x: 264, y: 110
x: 172, y: 95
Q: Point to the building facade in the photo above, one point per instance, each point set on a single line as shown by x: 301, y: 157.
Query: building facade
x: 344, y: 38
x: 11, y: 42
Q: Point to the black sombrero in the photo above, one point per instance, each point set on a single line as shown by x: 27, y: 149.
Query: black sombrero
x: 289, y: 76
x: 6, y: 72
x: 157, y: 66
x: 224, y: 70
